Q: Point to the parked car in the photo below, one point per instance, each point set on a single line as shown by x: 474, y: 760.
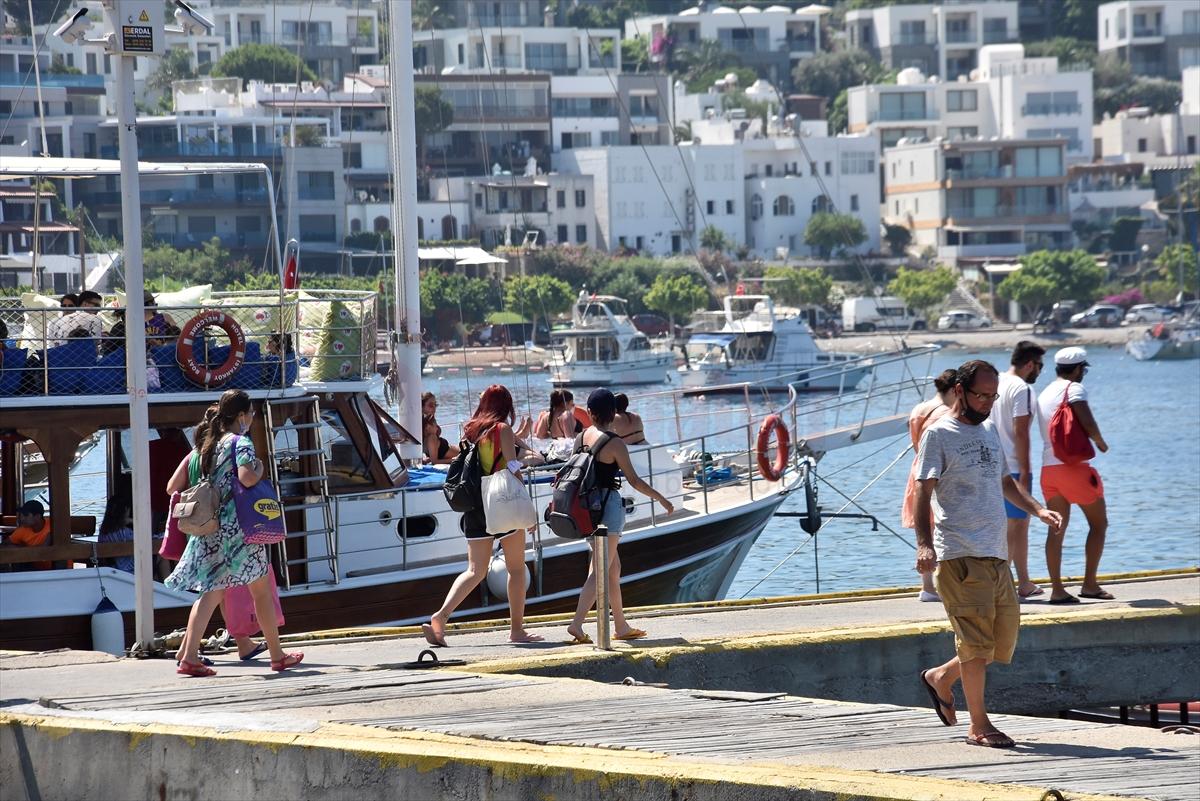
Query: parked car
x: 1148, y: 313
x: 1099, y: 315
x: 652, y: 325
x: 963, y: 318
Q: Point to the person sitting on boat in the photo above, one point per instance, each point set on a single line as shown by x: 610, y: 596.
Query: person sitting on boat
x: 626, y: 424
x: 117, y: 526
x: 84, y: 317
x: 611, y: 456
x: 212, y: 564
x: 552, y: 423
x: 157, y: 323
x: 32, y: 531
x: 581, y: 416
x: 437, y: 449
x: 490, y: 429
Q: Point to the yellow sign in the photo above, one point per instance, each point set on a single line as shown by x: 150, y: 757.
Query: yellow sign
x: 267, y: 507
x: 144, y: 17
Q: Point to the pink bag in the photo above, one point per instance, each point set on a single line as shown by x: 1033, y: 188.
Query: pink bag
x: 175, y: 541
x: 238, y: 610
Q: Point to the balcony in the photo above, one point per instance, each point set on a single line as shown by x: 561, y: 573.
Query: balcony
x: 979, y: 173
x: 492, y: 112
x: 1050, y: 109
x: 199, y: 150
x: 916, y: 39
x: 960, y: 37
x: 1001, y: 212
x: 1147, y: 31
x: 55, y: 79
x: 195, y: 197
x: 904, y: 115
x: 800, y: 44
x: 997, y: 36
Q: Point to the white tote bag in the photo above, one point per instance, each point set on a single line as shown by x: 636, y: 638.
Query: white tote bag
x: 506, y: 504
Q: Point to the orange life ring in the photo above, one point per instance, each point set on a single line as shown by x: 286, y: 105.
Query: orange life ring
x: 769, y: 471
x: 185, y: 349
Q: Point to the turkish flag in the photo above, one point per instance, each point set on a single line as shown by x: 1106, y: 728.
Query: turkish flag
x: 741, y: 289
x: 291, y: 278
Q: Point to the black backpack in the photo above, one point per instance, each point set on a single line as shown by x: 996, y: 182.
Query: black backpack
x: 577, y: 504
x: 464, y: 477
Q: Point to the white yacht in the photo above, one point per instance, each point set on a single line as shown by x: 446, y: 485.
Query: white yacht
x: 603, y: 348
x: 771, y: 347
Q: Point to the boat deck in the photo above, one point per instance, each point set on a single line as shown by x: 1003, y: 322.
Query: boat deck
x: 356, y: 712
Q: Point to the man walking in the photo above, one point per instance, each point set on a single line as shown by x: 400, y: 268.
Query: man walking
x: 1066, y: 484
x: 961, y: 530
x: 1013, y: 413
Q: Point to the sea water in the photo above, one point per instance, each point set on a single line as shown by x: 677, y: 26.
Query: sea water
x: 1149, y: 413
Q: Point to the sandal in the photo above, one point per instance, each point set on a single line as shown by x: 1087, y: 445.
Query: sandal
x: 938, y: 702
x: 258, y: 649
x: 579, y: 639
x: 187, y: 668
x: 632, y: 634
x: 289, y: 660
x: 991, y: 739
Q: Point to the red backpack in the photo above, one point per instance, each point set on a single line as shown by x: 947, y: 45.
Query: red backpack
x: 1069, y: 441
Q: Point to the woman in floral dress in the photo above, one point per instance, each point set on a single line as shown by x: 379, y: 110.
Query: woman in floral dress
x: 210, y: 565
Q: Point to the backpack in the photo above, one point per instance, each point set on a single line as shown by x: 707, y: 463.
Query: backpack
x: 197, y: 510
x: 577, y: 503
x: 1068, y: 440
x: 463, y: 478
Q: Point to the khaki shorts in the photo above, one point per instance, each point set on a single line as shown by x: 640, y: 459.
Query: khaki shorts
x: 982, y: 605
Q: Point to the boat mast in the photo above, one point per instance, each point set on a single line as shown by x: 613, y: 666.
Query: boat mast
x: 406, y: 329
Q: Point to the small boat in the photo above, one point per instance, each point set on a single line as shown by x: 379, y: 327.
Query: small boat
x: 603, y: 348
x: 771, y: 347
x: 1177, y: 339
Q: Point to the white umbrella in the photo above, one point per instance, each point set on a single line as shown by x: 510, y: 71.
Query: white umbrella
x: 482, y: 258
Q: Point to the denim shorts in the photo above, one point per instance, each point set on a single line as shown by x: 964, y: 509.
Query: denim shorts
x: 614, y: 513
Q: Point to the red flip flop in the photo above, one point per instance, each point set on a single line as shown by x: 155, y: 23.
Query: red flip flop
x: 288, y: 661
x: 187, y: 668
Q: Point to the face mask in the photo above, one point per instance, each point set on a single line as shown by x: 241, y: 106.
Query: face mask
x: 974, y: 417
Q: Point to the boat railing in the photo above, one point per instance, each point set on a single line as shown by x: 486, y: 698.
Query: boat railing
x: 298, y: 337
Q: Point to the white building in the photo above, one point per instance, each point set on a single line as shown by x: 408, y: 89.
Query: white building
x: 560, y: 208
x: 1141, y: 134
x: 657, y: 199
x: 978, y: 200
x: 769, y: 40
x: 558, y: 51
x: 603, y: 110
x: 937, y: 39
x: 1155, y: 37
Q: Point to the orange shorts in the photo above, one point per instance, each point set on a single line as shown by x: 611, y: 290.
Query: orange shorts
x: 1078, y: 483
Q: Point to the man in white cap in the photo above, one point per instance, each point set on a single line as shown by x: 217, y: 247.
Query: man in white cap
x: 1079, y: 483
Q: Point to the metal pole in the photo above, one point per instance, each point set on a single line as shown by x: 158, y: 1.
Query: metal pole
x: 35, y: 283
x: 600, y: 557
x: 407, y: 328
x: 135, y: 353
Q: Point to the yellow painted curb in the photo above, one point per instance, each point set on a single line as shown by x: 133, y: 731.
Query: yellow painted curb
x: 426, y: 751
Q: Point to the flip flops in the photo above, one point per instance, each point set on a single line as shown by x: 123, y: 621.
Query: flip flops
x: 187, y: 668
x: 262, y: 646
x: 938, y: 703
x: 1103, y: 595
x: 579, y: 639
x: 288, y: 661
x: 527, y: 639
x: 991, y: 739
x: 1066, y: 599
x: 1035, y: 592
x: 632, y: 634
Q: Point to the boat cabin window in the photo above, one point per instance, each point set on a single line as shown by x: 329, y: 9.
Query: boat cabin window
x: 706, y: 352
x: 386, y: 437
x: 755, y: 346
x: 639, y: 343
x: 597, y: 349
x: 345, y: 466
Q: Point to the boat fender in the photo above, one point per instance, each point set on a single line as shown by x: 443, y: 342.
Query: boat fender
x: 811, y: 522
x: 497, y: 577
x: 769, y: 471
x: 108, y: 628
x: 185, y: 349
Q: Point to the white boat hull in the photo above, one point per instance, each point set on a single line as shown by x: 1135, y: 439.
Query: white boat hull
x: 772, y: 377
x: 623, y: 373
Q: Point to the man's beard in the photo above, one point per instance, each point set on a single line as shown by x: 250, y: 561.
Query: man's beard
x: 974, y: 417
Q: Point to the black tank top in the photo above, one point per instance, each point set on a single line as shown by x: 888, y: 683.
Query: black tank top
x: 606, y: 473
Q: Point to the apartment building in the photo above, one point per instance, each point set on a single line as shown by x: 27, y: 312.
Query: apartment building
x: 58, y: 241
x: 657, y: 199
x: 1142, y: 135
x: 972, y: 201
x: 1102, y: 191
x: 495, y: 13
x: 1011, y: 97
x: 769, y: 40
x: 491, y: 50
x: 559, y: 208
x: 938, y: 39
x: 593, y: 111
x: 1155, y: 37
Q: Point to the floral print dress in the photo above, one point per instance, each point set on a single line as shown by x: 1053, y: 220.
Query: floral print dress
x: 223, y: 559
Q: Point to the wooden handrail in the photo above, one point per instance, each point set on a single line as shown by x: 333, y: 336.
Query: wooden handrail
x: 76, y: 551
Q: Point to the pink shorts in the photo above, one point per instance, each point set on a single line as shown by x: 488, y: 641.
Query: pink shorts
x: 1078, y: 483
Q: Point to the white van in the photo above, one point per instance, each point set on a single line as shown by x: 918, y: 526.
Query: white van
x: 870, y: 314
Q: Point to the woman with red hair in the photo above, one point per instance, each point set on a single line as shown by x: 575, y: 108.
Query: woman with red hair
x: 490, y: 429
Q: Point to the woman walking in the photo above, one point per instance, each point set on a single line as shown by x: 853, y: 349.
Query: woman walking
x: 923, y: 415
x: 210, y: 565
x: 490, y: 429
x: 611, y: 456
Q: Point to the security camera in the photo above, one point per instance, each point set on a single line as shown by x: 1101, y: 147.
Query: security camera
x: 75, y: 28
x: 192, y: 21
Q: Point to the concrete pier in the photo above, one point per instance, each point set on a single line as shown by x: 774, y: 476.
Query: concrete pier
x: 749, y: 711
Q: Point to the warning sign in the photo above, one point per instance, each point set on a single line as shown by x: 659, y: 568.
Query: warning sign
x: 137, y: 38
x: 144, y: 17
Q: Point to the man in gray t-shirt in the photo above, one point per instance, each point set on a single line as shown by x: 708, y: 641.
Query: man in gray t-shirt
x: 961, y: 526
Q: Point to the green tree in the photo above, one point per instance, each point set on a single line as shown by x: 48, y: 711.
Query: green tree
x: 713, y: 238
x: 17, y: 12
x: 923, y: 289
x: 175, y: 65
x: 1180, y: 264
x: 1124, y: 234
x: 676, y: 295
x: 898, y: 238
x: 828, y: 231
x: 433, y: 113
x: 798, y: 286
x: 838, y: 115
x: 635, y: 54
x: 60, y: 67
x: 1031, y: 291
x: 262, y: 62
x: 1074, y: 274
x: 827, y: 74
x: 451, y: 301
x: 535, y: 295
x: 208, y: 264
x: 425, y: 15
x: 1066, y: 49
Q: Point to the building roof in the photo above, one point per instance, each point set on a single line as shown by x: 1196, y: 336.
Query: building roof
x: 38, y: 166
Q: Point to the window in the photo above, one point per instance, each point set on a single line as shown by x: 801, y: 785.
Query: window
x: 202, y: 225
x: 912, y: 32
x: 563, y: 235
x: 829, y: 168
x: 1046, y: 103
x: 729, y: 204
x: 5, y: 107
x: 479, y: 200
x: 1034, y: 162
x: 676, y: 243
x: 641, y: 242
x: 812, y: 168
x: 902, y: 106
x: 1141, y: 145
x: 248, y: 225
x: 783, y: 207
x: 580, y: 198
x: 314, y: 185
x: 860, y: 162
x: 854, y: 203
x: 560, y: 198
x: 318, y: 227
x: 461, y: 55
x: 90, y: 60
x: 756, y: 207
x: 962, y: 132
x: 581, y: 234
x: 710, y: 207
x: 546, y: 57
x: 821, y: 203
x: 1191, y: 22
x: 962, y: 100
x: 610, y: 138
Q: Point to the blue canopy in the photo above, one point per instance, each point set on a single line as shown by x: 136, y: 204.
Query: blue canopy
x: 712, y: 339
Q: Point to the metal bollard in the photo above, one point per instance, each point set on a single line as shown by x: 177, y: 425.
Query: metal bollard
x: 600, y: 554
